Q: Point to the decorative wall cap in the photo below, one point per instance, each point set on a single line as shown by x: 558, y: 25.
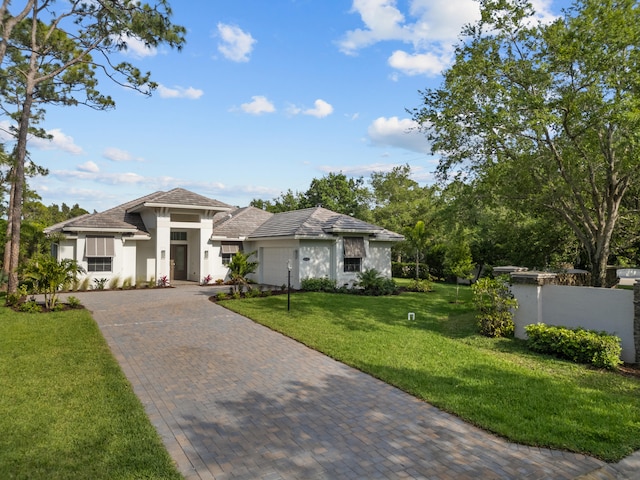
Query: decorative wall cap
x: 533, y: 278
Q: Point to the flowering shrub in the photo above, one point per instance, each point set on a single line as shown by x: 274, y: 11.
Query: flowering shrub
x: 207, y: 279
x: 163, y: 281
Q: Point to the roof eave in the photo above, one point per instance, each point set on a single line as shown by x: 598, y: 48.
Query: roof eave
x: 101, y: 229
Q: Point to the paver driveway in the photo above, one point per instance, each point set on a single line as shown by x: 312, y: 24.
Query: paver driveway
x: 232, y: 399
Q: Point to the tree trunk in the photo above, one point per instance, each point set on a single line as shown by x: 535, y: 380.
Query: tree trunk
x: 18, y: 188
x: 7, y: 247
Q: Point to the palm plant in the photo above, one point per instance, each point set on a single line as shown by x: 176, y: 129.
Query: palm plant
x: 240, y: 267
x: 48, y: 276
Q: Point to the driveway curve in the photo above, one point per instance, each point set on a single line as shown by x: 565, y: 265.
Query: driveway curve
x: 234, y: 400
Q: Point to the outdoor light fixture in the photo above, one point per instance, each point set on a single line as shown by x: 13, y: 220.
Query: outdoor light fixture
x: 163, y: 254
x: 206, y: 254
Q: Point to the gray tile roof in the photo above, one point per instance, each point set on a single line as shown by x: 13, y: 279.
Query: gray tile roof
x: 179, y: 197
x: 318, y: 222
x: 240, y: 222
x: 125, y: 217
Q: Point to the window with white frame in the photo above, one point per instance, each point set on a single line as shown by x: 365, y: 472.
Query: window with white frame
x: 354, y: 252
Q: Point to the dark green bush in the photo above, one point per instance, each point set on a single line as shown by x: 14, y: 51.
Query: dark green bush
x: 578, y: 345
x: 323, y: 284
x: 371, y: 282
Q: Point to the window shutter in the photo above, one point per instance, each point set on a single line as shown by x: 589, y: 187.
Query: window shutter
x: 354, y: 247
x: 230, y: 248
x: 99, y: 247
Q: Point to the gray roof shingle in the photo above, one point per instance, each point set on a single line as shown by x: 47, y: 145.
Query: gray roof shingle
x: 240, y: 222
x: 126, y: 218
x: 318, y: 222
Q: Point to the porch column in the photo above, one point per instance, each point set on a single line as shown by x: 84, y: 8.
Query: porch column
x: 527, y: 288
x: 163, y: 243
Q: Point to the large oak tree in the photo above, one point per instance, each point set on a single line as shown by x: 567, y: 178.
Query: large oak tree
x: 549, y: 114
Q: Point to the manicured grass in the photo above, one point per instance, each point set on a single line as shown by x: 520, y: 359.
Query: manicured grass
x: 67, y: 411
x: 496, y: 384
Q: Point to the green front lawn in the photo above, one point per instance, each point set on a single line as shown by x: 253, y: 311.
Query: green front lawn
x: 66, y: 409
x: 493, y: 383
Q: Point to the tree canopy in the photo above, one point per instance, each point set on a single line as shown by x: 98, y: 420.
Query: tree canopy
x: 49, y: 54
x: 548, y: 114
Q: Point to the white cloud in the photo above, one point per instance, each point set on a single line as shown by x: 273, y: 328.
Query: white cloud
x: 236, y: 45
x: 321, y: 109
x: 400, y: 133
x: 117, y: 155
x: 179, y: 92
x: 431, y: 27
x: 136, y: 47
x: 89, y: 166
x: 382, y: 20
x: 258, y: 105
x: 59, y: 141
x: 418, y: 63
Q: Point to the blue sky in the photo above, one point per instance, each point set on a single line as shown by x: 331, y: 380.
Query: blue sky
x: 264, y: 97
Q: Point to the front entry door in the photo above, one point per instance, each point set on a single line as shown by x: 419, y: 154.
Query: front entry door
x: 179, y: 261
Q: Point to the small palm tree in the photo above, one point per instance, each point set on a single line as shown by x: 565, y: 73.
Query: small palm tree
x: 240, y: 267
x: 49, y: 276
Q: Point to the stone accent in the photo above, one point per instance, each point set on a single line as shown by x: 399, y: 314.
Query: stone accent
x: 534, y: 278
x: 636, y: 321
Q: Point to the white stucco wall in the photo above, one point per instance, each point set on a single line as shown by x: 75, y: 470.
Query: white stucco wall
x: 316, y: 259
x: 609, y: 310
x: 379, y: 257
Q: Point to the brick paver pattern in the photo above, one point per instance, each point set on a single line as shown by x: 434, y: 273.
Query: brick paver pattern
x: 234, y: 400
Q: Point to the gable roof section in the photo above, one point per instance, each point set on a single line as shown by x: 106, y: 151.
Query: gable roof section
x: 126, y: 218
x: 319, y: 222
x: 239, y: 223
x: 179, y: 198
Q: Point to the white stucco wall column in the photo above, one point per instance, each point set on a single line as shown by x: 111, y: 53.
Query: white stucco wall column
x: 527, y: 288
x: 163, y: 243
x: 206, y: 247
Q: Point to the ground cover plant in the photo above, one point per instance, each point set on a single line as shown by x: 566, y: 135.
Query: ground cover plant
x: 67, y: 409
x: 495, y: 383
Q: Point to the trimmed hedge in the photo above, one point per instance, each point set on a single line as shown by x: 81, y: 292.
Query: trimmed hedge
x: 579, y: 345
x: 323, y: 284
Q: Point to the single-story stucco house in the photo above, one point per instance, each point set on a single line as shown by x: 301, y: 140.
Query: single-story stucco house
x: 185, y: 236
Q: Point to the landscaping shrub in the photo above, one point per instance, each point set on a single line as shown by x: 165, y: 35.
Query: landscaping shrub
x: 30, y: 307
x: 221, y: 296
x: 420, y: 286
x: 495, y: 304
x: 373, y: 283
x: 74, y: 302
x: 323, y: 284
x: 578, y: 345
x: 252, y: 292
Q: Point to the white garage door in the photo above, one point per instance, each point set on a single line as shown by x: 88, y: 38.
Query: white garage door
x: 274, y: 265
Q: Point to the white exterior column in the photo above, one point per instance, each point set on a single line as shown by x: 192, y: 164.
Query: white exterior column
x: 206, y: 248
x: 163, y: 243
x: 527, y: 287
